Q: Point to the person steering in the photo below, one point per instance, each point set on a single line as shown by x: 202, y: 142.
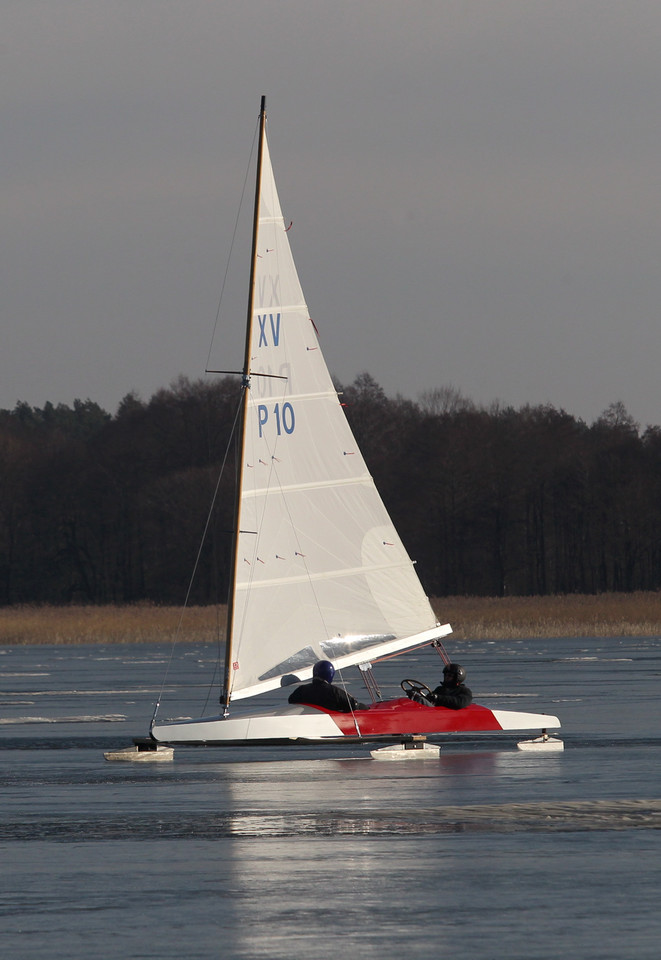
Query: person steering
x: 452, y: 692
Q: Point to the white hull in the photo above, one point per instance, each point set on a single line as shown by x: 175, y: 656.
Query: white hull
x: 512, y: 720
x: 390, y: 721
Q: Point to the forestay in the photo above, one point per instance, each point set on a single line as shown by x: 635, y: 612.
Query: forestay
x: 320, y: 569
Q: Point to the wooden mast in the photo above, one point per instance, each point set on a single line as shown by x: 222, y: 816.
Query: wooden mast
x: 245, y: 386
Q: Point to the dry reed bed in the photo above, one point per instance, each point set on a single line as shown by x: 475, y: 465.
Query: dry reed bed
x: 135, y: 623
x: 601, y: 615
x: 610, y: 614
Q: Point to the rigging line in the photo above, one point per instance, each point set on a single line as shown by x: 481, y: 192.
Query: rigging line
x: 353, y: 714
x: 231, y: 664
x: 196, y: 564
x: 212, y: 682
x: 229, y: 256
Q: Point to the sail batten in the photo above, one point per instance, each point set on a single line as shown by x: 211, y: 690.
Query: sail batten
x: 286, y: 307
x: 326, y: 575
x: 320, y: 395
x: 363, y: 480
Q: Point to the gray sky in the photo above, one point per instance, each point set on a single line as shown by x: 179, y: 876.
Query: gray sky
x: 475, y: 188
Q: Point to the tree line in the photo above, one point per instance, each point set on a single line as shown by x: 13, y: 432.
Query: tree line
x: 100, y: 508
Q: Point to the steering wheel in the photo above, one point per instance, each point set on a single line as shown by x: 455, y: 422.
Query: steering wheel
x: 414, y: 686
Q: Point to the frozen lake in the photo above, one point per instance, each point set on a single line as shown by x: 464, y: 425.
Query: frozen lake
x: 488, y: 853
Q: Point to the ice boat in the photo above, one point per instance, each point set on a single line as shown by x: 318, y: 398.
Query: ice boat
x: 318, y: 569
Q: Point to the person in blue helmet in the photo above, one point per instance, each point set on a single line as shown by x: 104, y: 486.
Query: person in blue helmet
x: 321, y: 692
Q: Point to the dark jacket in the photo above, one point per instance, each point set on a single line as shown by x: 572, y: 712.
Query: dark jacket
x: 454, y: 696
x: 319, y: 693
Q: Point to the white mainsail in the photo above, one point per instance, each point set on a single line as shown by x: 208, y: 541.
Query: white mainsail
x: 320, y: 569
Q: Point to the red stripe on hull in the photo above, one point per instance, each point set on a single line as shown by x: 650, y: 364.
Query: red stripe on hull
x: 405, y: 717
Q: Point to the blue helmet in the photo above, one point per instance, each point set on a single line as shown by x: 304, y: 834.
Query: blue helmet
x: 324, y: 670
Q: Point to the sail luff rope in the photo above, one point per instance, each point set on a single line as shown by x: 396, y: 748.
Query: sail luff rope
x: 227, y: 681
